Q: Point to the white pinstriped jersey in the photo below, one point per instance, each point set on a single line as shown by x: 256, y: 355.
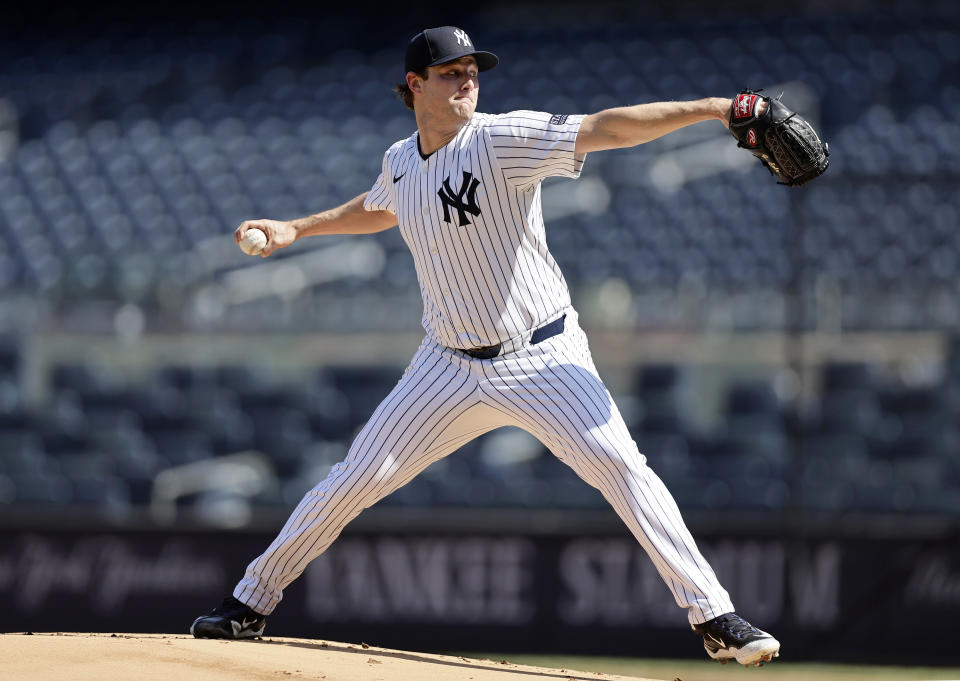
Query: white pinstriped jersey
x: 470, y: 214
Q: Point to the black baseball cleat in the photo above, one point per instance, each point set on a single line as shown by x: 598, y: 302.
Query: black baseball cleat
x: 232, y: 619
x: 730, y: 637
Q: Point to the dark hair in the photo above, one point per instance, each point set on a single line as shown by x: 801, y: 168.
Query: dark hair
x: 405, y: 93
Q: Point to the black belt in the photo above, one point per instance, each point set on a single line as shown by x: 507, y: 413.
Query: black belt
x: 538, y: 336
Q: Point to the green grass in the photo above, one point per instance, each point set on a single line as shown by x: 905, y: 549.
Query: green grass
x: 706, y: 670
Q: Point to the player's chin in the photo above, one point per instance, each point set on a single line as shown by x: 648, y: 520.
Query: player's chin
x: 464, y: 107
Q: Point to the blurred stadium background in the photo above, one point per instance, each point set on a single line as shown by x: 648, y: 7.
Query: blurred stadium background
x: 788, y: 360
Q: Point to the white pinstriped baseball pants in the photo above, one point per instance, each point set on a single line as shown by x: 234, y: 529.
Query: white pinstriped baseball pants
x: 444, y: 400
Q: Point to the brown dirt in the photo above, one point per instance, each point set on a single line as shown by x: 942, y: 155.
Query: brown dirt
x: 158, y: 657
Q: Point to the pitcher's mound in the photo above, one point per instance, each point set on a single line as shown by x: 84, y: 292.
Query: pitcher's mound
x: 159, y: 657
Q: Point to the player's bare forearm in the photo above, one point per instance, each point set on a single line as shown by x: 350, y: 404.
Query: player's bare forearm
x: 349, y: 218
x: 629, y: 126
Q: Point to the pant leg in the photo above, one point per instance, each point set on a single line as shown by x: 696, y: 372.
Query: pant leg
x: 555, y: 393
x: 433, y: 410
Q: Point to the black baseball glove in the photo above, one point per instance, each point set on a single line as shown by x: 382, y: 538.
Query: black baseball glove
x: 783, y: 140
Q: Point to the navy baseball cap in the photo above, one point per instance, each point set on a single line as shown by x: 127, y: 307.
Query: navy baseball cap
x: 434, y: 46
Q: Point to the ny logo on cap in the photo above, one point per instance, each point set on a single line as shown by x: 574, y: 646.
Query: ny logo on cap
x: 462, y: 38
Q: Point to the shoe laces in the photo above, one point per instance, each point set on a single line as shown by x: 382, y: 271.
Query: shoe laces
x: 735, y: 625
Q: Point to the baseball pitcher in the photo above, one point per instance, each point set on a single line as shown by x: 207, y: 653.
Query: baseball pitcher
x: 503, y: 346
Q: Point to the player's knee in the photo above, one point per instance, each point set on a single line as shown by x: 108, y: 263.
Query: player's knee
x: 360, y: 484
x: 628, y: 462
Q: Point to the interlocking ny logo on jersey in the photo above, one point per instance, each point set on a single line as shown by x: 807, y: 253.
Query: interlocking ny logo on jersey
x: 453, y: 199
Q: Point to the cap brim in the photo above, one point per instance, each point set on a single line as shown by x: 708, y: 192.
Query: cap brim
x: 485, y: 60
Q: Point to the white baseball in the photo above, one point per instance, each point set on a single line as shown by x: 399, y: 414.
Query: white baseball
x: 253, y: 241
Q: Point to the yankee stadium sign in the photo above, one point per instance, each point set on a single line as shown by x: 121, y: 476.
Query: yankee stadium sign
x: 471, y: 580
x: 594, y: 592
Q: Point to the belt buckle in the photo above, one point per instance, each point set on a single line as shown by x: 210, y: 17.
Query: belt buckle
x: 484, y: 351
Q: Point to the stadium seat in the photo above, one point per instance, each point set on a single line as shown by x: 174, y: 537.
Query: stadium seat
x: 132, y: 148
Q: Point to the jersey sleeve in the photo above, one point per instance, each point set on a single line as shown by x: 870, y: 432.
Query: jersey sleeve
x: 380, y: 197
x: 533, y: 145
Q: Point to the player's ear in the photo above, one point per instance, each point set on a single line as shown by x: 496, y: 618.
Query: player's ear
x: 414, y: 81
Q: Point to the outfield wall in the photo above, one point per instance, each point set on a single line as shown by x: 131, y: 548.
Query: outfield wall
x: 859, y: 592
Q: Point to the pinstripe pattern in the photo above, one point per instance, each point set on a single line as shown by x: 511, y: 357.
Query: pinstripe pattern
x: 488, y: 278
x: 555, y: 393
x: 446, y: 399
x: 493, y: 279
x: 433, y: 410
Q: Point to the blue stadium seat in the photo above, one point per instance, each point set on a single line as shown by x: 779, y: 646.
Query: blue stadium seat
x: 41, y: 489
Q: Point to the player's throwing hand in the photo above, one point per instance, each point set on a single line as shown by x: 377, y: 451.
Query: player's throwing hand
x: 279, y: 234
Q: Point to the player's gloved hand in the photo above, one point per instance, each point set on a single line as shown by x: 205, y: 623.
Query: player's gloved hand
x: 784, y: 141
x: 280, y: 234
